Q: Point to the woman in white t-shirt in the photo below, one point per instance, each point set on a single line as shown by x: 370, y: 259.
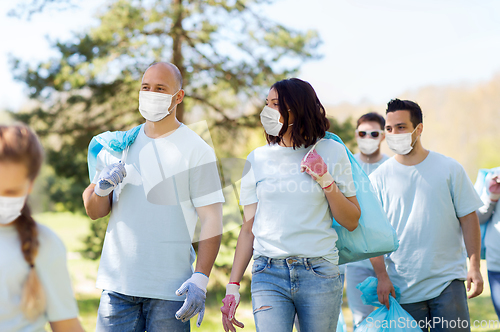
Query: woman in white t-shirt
x: 290, y: 190
x: 34, y: 283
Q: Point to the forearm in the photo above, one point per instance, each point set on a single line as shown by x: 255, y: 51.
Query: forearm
x: 379, y: 267
x: 210, y: 237
x: 96, y: 206
x: 346, y: 211
x: 243, y: 254
x: 207, y: 253
x: 68, y: 325
x: 472, y: 238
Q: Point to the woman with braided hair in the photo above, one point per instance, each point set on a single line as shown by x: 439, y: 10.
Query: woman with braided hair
x: 35, y: 287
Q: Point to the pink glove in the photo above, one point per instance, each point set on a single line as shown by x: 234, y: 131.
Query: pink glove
x: 494, y: 188
x: 231, y: 302
x: 315, y: 166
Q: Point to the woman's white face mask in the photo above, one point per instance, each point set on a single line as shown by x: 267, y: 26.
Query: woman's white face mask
x: 10, y: 208
x: 270, y: 119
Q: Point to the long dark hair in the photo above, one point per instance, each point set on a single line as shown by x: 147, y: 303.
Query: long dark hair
x: 18, y: 144
x: 310, y: 122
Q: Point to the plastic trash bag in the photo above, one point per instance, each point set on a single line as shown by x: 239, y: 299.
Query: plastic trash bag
x: 341, y: 325
x: 374, y: 235
x: 481, y: 186
x: 394, y: 319
x: 113, y: 141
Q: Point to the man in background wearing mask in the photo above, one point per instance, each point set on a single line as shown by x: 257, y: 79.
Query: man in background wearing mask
x: 432, y: 205
x: 168, y: 179
x: 369, y: 135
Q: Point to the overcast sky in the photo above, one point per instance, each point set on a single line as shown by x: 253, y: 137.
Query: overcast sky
x: 373, y: 49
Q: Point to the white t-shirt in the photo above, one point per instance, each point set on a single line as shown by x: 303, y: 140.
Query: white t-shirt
x: 368, y: 168
x: 293, y: 217
x: 50, y: 265
x: 492, y: 237
x: 423, y: 203
x: 147, y: 249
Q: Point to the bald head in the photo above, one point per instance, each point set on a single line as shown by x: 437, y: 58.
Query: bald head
x: 167, y: 68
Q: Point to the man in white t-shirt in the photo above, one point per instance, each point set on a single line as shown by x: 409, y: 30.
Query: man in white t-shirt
x: 431, y: 203
x: 155, y: 194
x: 369, y: 136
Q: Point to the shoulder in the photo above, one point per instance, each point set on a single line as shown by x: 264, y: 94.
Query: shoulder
x: 50, y: 243
x: 330, y: 144
x: 262, y: 152
x: 383, y: 170
x: 444, y: 162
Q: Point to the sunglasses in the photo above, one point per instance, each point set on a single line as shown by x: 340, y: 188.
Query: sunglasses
x: 373, y: 133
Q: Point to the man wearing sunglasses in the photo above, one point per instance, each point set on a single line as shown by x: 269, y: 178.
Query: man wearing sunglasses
x: 431, y: 203
x: 369, y: 135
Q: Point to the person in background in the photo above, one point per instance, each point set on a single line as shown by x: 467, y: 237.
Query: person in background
x: 490, y: 211
x: 35, y: 286
x: 290, y: 192
x: 154, y: 197
x: 369, y: 136
x: 431, y: 203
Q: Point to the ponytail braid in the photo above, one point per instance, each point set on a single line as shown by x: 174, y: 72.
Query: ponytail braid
x: 33, y: 301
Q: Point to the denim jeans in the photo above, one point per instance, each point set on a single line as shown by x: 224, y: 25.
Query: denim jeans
x: 494, y: 280
x: 308, y: 287
x: 123, y: 313
x: 447, y: 312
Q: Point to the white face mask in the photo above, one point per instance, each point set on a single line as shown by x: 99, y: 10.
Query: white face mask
x: 10, y: 208
x: 270, y: 119
x: 154, y: 106
x: 400, y: 143
x: 368, y: 146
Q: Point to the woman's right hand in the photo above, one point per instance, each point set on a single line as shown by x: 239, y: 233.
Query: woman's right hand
x: 494, y: 188
x: 231, y: 302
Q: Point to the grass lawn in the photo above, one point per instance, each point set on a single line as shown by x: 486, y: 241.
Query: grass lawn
x: 73, y: 228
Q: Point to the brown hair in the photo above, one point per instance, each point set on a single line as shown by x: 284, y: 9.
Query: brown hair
x: 310, y: 122
x: 18, y: 144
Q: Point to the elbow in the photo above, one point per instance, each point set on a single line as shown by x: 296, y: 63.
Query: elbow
x: 354, y: 222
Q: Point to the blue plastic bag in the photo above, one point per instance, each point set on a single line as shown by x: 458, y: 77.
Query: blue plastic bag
x: 482, y: 190
x: 115, y: 141
x: 394, y: 319
x: 341, y: 325
x: 374, y: 235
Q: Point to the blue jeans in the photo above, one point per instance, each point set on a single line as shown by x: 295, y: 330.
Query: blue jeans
x: 123, y: 313
x: 494, y: 280
x: 308, y: 287
x: 447, y: 312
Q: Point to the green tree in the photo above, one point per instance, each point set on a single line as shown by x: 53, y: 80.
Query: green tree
x: 228, y: 55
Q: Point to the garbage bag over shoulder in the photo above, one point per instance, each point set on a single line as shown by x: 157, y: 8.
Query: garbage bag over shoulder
x: 113, y: 141
x: 394, y: 319
x: 374, y: 235
x: 483, y: 176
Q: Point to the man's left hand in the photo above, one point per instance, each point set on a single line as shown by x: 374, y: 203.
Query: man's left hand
x: 195, y: 289
x: 474, y: 277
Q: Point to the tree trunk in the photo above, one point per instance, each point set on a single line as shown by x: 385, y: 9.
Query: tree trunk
x: 177, y: 57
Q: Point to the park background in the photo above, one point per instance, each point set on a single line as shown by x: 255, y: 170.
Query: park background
x: 72, y: 68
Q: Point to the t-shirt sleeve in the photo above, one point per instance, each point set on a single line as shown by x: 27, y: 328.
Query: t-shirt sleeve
x: 204, y: 181
x: 248, y: 191
x: 53, y: 273
x: 465, y: 197
x: 335, y: 156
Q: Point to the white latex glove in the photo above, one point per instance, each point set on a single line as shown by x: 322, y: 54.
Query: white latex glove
x: 195, y: 289
x: 110, y: 177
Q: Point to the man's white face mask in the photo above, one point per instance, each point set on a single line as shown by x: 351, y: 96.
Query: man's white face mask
x: 400, y: 143
x: 155, y: 106
x: 368, y: 146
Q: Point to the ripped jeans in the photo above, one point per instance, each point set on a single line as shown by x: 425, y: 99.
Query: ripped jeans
x: 308, y: 287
